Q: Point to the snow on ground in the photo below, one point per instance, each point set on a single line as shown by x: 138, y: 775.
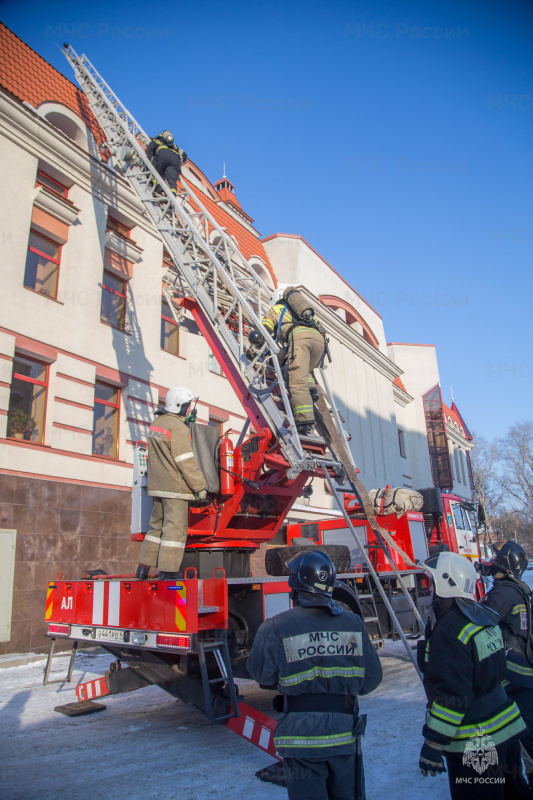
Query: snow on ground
x: 148, y: 746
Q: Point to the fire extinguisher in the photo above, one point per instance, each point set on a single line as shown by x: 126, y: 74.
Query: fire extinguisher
x: 227, y: 482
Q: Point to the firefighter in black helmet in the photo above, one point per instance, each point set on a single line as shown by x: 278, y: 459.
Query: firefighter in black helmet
x: 320, y: 658
x: 511, y: 598
x: 167, y: 158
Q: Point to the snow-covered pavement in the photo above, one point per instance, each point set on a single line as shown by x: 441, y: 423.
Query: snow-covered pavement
x: 148, y: 746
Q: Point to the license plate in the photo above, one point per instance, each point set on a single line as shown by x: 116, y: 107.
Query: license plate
x: 109, y: 635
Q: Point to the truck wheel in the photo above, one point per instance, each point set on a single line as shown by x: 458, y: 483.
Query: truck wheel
x: 277, y: 557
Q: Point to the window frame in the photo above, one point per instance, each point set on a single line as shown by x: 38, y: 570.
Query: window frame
x: 57, y: 261
x: 36, y: 382
x: 63, y: 193
x: 173, y: 322
x: 118, y: 294
x: 109, y: 404
x: 401, y: 443
x: 119, y: 225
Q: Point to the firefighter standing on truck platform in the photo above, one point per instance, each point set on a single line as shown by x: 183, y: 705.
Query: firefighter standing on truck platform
x: 167, y: 158
x: 511, y: 598
x: 173, y: 480
x: 321, y: 659
x: 470, y: 720
x: 295, y: 327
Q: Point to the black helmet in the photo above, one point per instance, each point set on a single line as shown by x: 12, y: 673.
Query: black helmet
x: 256, y: 338
x: 312, y: 571
x: 167, y: 137
x: 511, y: 559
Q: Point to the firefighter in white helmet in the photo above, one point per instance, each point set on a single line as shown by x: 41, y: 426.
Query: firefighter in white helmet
x: 173, y: 480
x: 470, y: 721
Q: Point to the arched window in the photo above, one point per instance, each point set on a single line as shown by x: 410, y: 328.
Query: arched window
x: 259, y: 266
x: 351, y: 317
x: 66, y: 121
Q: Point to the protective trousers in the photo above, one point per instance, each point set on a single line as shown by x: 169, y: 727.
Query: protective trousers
x: 500, y: 781
x: 306, y: 349
x: 332, y: 779
x: 167, y: 163
x: 164, y: 543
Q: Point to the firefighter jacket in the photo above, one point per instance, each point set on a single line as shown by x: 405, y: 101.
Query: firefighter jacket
x: 172, y: 469
x: 314, y: 649
x: 512, y: 600
x: 282, y: 325
x: 158, y: 144
x: 463, y: 669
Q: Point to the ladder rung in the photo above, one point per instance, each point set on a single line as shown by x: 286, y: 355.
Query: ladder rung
x: 208, y: 609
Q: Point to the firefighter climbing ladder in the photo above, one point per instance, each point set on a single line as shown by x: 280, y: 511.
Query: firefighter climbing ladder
x: 208, y: 267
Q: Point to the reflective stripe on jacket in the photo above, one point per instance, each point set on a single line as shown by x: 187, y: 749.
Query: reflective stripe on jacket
x: 308, y: 650
x: 288, y: 328
x: 172, y: 468
x: 512, y: 600
x: 466, y: 663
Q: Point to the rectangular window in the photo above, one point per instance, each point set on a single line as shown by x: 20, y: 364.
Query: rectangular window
x: 113, y: 311
x: 216, y: 423
x: 105, y: 421
x: 463, y: 462
x: 42, y: 265
x: 49, y: 183
x: 401, y: 442
x: 118, y: 227
x: 27, y: 401
x: 214, y: 366
x: 170, y: 333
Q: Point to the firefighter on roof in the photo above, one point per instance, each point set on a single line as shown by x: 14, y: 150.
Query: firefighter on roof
x: 173, y: 480
x: 321, y: 659
x: 292, y: 322
x: 167, y: 158
x: 511, y: 598
x: 470, y: 720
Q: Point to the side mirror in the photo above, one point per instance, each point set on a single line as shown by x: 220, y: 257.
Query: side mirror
x: 481, y: 518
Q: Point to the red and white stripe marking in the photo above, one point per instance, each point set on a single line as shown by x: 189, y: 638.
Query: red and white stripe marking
x: 92, y: 689
x: 256, y: 727
x: 106, y: 603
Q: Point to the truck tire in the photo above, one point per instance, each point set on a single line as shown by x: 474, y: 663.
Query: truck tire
x: 277, y: 557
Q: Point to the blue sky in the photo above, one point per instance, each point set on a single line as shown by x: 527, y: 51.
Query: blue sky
x: 395, y: 137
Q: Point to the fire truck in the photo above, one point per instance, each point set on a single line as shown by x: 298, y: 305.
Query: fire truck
x: 191, y: 637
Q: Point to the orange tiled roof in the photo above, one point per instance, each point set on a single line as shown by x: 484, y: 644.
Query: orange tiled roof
x: 248, y: 244
x: 398, y: 382
x: 27, y: 76
x: 455, y: 416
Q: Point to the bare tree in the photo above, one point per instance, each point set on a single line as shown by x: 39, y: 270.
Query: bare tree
x: 516, y: 477
x: 487, y: 490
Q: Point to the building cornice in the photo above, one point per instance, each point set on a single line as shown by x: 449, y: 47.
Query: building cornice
x: 30, y: 131
x: 401, y: 397
x: 458, y: 438
x: 56, y: 206
x: 122, y: 247
x: 353, y: 340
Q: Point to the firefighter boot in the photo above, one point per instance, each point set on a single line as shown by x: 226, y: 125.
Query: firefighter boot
x: 142, y: 572
x: 305, y: 428
x: 170, y: 576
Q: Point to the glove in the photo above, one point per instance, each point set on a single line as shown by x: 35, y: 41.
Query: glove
x: 201, y: 495
x: 431, y: 759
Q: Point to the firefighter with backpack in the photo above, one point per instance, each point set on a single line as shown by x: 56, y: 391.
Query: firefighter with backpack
x: 167, y: 158
x: 291, y: 321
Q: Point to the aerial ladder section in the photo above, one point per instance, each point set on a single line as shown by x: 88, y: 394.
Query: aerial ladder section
x: 208, y: 274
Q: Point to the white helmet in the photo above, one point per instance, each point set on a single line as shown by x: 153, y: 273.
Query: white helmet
x: 453, y: 575
x: 176, y: 398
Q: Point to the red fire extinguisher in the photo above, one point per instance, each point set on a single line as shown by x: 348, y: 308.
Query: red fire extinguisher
x: 227, y: 482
